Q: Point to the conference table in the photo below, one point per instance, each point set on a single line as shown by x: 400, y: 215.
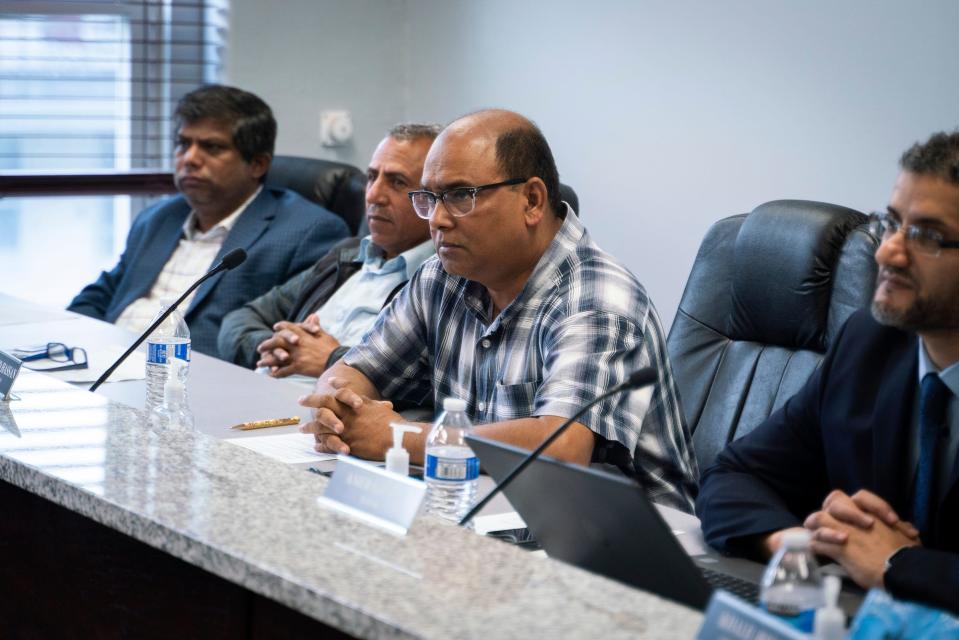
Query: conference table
x: 115, y: 527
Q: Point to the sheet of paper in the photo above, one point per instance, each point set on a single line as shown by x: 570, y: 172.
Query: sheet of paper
x: 497, y: 522
x: 288, y: 447
x: 133, y: 368
x: 26, y: 313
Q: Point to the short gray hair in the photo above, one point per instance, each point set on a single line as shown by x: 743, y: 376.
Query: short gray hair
x: 407, y: 131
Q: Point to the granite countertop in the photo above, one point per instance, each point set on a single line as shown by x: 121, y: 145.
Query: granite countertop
x: 256, y: 522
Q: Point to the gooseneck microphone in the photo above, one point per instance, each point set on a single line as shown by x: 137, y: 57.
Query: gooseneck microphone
x: 639, y: 378
x: 231, y: 260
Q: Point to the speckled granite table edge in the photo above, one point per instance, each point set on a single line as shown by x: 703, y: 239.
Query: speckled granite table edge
x: 344, y: 603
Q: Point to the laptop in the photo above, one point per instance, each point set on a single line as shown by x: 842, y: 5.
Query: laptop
x: 604, y: 524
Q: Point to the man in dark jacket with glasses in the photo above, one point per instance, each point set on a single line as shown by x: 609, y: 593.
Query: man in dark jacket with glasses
x: 865, y: 455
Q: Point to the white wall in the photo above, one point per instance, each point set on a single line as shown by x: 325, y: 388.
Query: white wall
x: 663, y: 116
x: 305, y: 56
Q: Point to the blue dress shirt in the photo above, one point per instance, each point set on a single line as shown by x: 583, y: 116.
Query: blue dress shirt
x: 351, y: 310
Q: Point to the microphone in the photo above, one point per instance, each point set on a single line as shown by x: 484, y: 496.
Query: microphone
x: 231, y: 260
x: 639, y: 378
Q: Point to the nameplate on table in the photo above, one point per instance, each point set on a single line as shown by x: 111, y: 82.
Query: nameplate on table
x: 9, y: 368
x: 729, y: 618
x: 374, y: 495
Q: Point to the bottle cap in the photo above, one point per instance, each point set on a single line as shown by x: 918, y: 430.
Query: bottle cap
x: 454, y: 404
x: 797, y: 539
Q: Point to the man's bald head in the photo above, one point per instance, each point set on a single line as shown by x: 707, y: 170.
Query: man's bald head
x: 520, y: 149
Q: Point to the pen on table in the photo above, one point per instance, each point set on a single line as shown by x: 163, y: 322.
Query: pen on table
x: 263, y: 424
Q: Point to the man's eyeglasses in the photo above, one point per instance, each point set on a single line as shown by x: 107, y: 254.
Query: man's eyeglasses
x: 459, y: 201
x: 922, y: 239
x: 56, y: 352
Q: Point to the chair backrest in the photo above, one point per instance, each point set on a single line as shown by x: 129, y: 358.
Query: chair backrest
x: 566, y: 194
x: 339, y: 187
x: 767, y: 293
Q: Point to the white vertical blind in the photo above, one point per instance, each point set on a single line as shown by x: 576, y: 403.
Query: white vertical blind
x: 92, y: 84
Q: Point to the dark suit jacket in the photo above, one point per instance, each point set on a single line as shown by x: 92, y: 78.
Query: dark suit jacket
x: 282, y: 233
x: 848, y: 428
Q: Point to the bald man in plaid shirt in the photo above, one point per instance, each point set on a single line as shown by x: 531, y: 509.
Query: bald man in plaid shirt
x: 521, y: 315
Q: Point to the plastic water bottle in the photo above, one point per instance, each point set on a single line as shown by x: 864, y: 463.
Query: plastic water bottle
x: 170, y: 340
x: 452, y: 469
x: 175, y: 412
x: 791, y: 587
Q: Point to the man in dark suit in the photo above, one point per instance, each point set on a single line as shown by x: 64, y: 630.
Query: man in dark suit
x: 224, y: 146
x: 865, y: 455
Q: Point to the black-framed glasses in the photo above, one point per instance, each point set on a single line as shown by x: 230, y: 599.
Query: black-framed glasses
x: 75, y: 357
x: 459, y: 201
x: 918, y: 237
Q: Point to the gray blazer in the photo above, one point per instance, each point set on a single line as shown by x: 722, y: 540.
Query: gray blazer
x: 243, y: 329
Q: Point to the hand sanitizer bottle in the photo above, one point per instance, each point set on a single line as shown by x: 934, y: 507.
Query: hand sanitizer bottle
x: 398, y: 458
x: 830, y: 620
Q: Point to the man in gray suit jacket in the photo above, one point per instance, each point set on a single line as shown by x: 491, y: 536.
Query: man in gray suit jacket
x: 224, y: 145
x: 282, y: 330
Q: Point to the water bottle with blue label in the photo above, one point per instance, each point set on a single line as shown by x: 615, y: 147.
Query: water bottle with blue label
x: 175, y: 412
x: 452, y: 469
x: 170, y: 340
x: 791, y: 587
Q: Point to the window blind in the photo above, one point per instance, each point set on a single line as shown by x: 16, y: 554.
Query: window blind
x: 92, y: 84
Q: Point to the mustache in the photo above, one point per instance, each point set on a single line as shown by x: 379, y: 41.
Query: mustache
x: 885, y: 272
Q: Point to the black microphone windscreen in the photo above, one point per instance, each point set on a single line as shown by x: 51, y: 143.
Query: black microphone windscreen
x: 233, y: 259
x: 641, y: 378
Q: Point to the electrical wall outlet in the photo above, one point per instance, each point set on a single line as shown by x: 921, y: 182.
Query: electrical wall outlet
x: 336, y: 128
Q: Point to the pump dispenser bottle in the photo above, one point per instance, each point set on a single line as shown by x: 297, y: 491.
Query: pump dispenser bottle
x: 398, y: 458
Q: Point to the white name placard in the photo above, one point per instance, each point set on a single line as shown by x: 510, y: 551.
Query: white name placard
x: 729, y: 618
x: 375, y: 496
x: 9, y: 368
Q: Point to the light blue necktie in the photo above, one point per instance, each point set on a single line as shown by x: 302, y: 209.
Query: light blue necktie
x: 933, y: 399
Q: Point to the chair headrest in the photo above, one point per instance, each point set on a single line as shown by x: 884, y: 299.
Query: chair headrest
x: 784, y: 267
x: 568, y: 195
x: 338, y: 187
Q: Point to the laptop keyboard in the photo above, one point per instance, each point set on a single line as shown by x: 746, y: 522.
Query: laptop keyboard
x: 522, y: 538
x: 745, y: 589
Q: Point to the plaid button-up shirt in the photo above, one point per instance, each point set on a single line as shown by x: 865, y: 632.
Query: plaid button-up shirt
x: 579, y: 327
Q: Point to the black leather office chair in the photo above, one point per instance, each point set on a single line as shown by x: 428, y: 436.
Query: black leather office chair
x: 765, y: 297
x: 566, y: 194
x: 339, y: 187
